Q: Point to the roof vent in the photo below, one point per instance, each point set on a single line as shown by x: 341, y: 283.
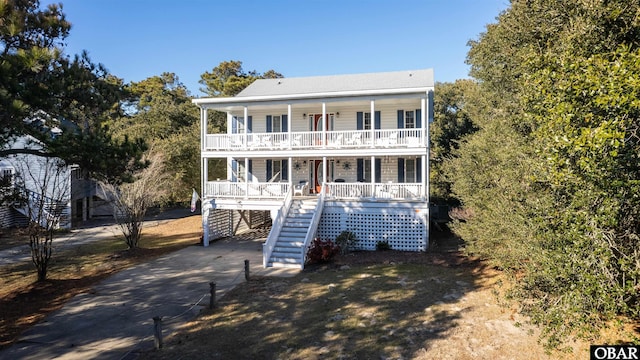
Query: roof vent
x: 279, y: 82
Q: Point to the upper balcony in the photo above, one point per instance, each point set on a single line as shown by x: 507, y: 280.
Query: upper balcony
x: 314, y: 140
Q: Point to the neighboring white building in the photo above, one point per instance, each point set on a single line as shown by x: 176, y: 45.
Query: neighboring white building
x: 323, y: 154
x: 62, y: 188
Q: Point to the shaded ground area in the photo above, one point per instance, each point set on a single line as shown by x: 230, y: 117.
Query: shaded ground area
x: 77, y: 266
x: 367, y: 305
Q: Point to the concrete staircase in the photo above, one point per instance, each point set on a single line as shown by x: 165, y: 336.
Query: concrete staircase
x: 289, y: 246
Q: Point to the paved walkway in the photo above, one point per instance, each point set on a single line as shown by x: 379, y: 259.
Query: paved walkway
x: 116, y: 319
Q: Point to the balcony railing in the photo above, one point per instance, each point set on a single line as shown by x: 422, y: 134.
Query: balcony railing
x: 241, y: 190
x: 388, y: 138
x: 377, y: 191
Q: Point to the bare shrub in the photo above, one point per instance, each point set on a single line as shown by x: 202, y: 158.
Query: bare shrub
x: 132, y: 200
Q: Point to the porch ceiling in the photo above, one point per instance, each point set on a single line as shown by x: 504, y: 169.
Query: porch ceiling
x: 238, y: 104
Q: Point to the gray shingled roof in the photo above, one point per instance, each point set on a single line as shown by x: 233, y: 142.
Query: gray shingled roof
x: 336, y: 83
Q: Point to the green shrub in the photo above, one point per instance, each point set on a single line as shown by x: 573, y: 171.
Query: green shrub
x: 346, y: 240
x: 383, y: 245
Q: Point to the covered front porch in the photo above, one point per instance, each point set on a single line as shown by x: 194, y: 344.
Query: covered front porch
x: 334, y: 190
x: 346, y: 177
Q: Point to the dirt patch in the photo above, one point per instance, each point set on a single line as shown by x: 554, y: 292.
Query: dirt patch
x: 367, y: 305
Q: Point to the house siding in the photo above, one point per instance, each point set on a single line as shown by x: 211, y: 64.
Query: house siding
x: 389, y: 168
x: 345, y: 121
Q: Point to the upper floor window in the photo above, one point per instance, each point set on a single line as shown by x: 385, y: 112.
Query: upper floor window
x: 238, y: 125
x: 409, y: 120
x: 6, y: 177
x: 277, y: 123
x: 366, y: 121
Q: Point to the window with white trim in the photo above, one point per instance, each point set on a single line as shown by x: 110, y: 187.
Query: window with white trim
x: 409, y: 119
x: 276, y: 123
x: 366, y: 170
x: 366, y: 121
x: 410, y: 171
x: 276, y: 170
x: 241, y: 170
x: 239, y: 125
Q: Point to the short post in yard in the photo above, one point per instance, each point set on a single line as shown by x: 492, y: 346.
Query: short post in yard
x: 212, y: 299
x: 246, y: 270
x: 157, y: 331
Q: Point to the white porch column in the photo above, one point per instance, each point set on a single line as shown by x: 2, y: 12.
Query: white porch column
x: 373, y: 124
x: 425, y: 159
x: 324, y: 124
x: 324, y: 171
x: 205, y: 225
x: 246, y: 176
x: 289, y: 129
x: 290, y: 173
x: 246, y: 122
x: 203, y: 127
x: 203, y: 164
x: 373, y: 175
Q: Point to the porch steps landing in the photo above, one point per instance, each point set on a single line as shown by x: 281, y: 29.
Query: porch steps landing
x: 287, y: 252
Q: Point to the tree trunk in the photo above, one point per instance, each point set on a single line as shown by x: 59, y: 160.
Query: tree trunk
x: 40, y: 242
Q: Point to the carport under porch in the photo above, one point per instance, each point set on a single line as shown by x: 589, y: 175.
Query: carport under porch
x: 403, y: 224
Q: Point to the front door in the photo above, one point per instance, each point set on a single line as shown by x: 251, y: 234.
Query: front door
x: 317, y: 122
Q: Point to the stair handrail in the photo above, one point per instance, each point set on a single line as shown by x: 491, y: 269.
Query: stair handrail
x: 313, y: 226
x: 44, y: 205
x: 276, y: 228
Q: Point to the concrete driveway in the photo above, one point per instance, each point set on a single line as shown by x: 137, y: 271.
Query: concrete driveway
x: 116, y: 319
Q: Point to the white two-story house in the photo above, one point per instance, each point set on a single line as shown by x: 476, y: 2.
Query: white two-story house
x: 323, y: 154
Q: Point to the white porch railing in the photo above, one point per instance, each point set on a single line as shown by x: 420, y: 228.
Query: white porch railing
x: 377, y: 190
x: 279, y: 190
x: 313, y: 227
x: 391, y: 138
x: 253, y: 190
x: 278, y: 222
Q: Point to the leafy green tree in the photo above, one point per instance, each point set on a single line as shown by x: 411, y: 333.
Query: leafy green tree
x: 452, y: 110
x: 159, y: 110
x: 37, y: 77
x: 549, y: 181
x: 228, y: 78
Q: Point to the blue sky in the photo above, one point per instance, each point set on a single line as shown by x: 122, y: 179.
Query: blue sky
x: 137, y: 39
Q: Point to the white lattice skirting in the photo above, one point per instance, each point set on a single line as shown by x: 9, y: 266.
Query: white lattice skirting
x: 402, y: 224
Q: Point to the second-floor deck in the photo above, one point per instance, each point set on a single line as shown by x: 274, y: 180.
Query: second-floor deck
x: 309, y: 140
